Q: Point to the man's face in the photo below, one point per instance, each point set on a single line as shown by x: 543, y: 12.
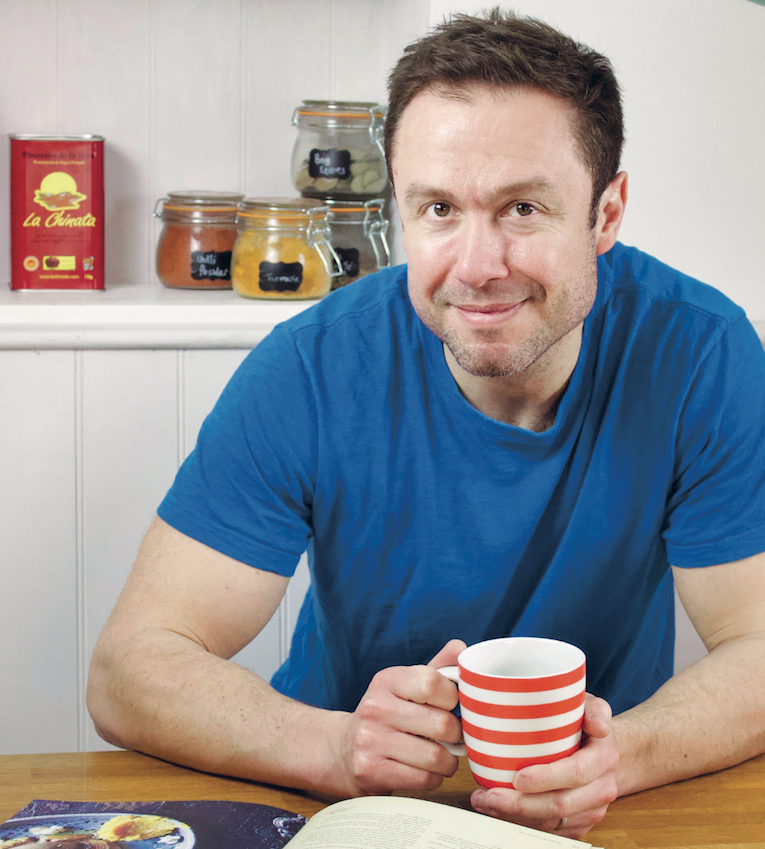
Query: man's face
x: 495, y: 204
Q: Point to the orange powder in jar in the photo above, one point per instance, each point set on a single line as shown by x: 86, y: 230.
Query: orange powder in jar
x: 197, y: 240
x: 283, y: 249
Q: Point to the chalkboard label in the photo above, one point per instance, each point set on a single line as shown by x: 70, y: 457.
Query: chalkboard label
x: 349, y: 257
x: 211, y: 265
x: 280, y: 276
x: 330, y: 164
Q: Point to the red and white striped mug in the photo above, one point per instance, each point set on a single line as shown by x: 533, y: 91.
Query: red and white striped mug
x: 522, y: 703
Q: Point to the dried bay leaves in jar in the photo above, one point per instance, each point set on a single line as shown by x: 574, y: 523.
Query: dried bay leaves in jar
x: 338, y: 152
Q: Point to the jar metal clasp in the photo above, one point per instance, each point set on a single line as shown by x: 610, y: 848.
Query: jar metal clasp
x: 157, y: 213
x: 319, y: 237
x: 377, y: 115
x: 375, y: 227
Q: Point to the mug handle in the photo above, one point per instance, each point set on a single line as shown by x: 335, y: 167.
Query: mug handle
x: 453, y: 674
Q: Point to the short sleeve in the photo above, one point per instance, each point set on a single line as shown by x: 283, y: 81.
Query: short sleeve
x: 716, y: 511
x: 246, y: 489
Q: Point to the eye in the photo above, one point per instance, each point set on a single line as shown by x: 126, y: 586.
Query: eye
x: 522, y: 210
x: 439, y: 209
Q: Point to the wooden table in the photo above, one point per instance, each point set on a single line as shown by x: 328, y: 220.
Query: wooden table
x: 726, y: 809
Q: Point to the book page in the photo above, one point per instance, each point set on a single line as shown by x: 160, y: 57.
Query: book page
x: 387, y: 822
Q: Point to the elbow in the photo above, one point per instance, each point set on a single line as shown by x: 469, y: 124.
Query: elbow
x: 101, y: 706
x: 108, y: 736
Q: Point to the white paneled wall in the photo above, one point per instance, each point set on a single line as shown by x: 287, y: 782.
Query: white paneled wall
x: 90, y: 443
x: 41, y: 606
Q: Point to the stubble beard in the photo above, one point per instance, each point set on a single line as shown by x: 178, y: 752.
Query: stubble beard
x: 489, y: 354
x: 488, y: 358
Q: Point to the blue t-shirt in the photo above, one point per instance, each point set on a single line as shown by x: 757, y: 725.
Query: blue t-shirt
x: 344, y: 432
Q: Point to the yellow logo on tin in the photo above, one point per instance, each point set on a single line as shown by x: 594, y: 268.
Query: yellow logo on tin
x: 58, y: 191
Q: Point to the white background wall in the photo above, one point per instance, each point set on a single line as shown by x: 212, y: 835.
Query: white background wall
x: 199, y: 94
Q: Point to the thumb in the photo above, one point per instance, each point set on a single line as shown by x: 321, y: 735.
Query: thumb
x: 448, y: 654
x: 597, y: 717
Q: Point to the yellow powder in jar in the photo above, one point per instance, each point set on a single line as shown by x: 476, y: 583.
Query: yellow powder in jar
x: 282, y: 251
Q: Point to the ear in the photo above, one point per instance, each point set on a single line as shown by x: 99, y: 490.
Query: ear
x: 611, y: 212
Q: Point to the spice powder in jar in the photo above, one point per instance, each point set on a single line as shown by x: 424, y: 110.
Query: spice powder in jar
x: 197, y: 240
x: 283, y: 249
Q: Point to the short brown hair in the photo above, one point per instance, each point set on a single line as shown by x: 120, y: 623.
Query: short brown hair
x: 505, y: 50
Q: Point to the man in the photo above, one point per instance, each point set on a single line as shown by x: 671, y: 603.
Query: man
x: 516, y: 434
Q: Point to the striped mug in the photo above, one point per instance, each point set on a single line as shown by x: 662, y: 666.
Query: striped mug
x: 521, y: 703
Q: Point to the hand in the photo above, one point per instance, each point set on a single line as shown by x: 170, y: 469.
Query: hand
x: 389, y: 742
x: 576, y: 790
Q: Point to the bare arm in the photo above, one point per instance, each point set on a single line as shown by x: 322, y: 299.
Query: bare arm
x: 161, y: 682
x: 712, y: 714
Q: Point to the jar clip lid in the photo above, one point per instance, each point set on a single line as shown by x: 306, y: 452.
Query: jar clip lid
x: 201, y: 201
x: 375, y: 227
x: 374, y: 113
x: 319, y: 237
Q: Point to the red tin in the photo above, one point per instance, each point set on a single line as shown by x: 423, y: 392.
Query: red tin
x: 57, y: 212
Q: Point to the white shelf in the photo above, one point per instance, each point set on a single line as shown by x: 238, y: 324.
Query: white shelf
x: 143, y: 316
x: 137, y: 316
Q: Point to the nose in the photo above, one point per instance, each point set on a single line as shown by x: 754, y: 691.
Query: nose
x: 481, y: 252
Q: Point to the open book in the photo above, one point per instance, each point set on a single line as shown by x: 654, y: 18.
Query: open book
x: 372, y: 822
x: 392, y: 822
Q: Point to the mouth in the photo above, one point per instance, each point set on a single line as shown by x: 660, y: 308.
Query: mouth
x: 487, y: 315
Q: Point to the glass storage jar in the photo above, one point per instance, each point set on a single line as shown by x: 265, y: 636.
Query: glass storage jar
x: 197, y: 239
x: 283, y: 249
x: 338, y: 152
x: 358, y: 237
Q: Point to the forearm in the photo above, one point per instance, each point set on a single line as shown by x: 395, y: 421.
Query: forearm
x: 167, y: 696
x: 707, y: 717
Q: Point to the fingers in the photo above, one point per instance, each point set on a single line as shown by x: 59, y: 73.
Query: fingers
x: 382, y: 776
x: 415, y: 753
x: 414, y: 700
x: 575, y: 790
x: 419, y: 685
x: 448, y: 654
x: 597, y: 756
x: 563, y: 813
x: 391, y: 736
x: 597, y: 717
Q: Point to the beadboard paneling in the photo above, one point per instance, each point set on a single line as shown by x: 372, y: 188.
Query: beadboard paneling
x: 197, y: 60
x: 204, y: 375
x: 115, y: 55
x: 89, y: 443
x: 288, y: 59
x: 41, y: 590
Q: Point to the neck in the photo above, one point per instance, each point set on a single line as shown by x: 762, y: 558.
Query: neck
x: 530, y: 398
